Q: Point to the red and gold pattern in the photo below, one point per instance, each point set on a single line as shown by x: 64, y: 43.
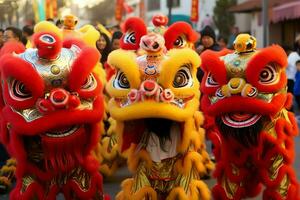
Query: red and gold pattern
x: 246, y: 103
x: 51, y: 104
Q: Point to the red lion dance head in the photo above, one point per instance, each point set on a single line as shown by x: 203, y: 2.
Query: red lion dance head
x: 245, y: 95
x: 50, y: 108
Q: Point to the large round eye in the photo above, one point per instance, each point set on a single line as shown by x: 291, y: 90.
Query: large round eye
x: 121, y: 81
x: 210, y: 81
x: 130, y: 38
x: 46, y: 38
x: 183, y: 78
x: 18, y: 91
x: 90, y: 83
x: 179, y: 42
x: 268, y: 75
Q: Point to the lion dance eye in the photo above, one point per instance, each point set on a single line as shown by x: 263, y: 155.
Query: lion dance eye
x: 121, y: 81
x: 183, y: 78
x: 130, y: 38
x: 90, y: 83
x: 268, y: 75
x: 210, y: 81
x: 179, y: 42
x: 19, y: 91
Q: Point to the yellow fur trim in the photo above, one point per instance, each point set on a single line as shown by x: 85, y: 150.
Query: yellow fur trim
x: 108, y: 171
x: 191, y: 137
x: 199, y: 119
x: 112, y: 127
x: 126, y: 193
x: 197, y: 190
x: 190, y: 160
x: 104, y: 149
x: 134, y: 158
x: 47, y: 26
x: 89, y: 35
x: 148, y: 109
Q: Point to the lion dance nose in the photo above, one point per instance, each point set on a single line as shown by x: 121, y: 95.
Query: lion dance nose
x: 58, y: 99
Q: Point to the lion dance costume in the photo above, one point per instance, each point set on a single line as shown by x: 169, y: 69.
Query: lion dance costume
x: 51, y: 104
x: 245, y: 94
x: 155, y: 101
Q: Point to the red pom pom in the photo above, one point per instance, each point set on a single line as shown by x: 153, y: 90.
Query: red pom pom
x: 160, y: 20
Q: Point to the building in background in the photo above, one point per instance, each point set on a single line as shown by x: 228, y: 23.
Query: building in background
x: 284, y: 19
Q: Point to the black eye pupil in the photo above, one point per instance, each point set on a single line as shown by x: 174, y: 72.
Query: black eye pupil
x: 23, y: 89
x: 264, y: 74
x: 132, y: 39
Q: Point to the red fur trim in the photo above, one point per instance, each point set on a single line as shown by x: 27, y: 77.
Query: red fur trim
x: 82, y: 67
x: 224, y: 52
x: 139, y: 28
x: 177, y: 29
x: 219, y: 193
x: 95, y: 185
x: 46, y: 49
x: 92, y: 93
x: 14, y: 67
x: 241, y: 104
x: 110, y: 71
x: 10, y: 47
x: 289, y: 101
x: 34, y: 190
x: 69, y: 42
x: 273, y: 54
x: 212, y: 63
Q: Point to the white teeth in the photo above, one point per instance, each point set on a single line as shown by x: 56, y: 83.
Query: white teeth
x: 63, y: 133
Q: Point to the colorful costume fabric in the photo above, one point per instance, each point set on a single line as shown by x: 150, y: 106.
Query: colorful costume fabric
x: 245, y: 98
x: 155, y: 101
x: 51, y: 104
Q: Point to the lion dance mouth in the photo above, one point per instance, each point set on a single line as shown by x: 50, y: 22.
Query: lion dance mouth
x: 240, y: 120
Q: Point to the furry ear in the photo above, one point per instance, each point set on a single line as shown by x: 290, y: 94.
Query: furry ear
x: 134, y: 29
x: 82, y: 67
x: 12, y: 47
x: 69, y: 42
x: 19, y: 74
x: 270, y: 55
x: 211, y: 64
x: 177, y: 29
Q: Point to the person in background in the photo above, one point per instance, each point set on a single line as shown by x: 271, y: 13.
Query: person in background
x: 297, y: 84
x: 207, y: 40
x: 14, y: 34
x: 222, y: 42
x: 27, y: 33
x: 1, y: 37
x: 234, y: 32
x: 59, y: 23
x: 103, y: 46
x: 291, y: 68
x: 115, y: 40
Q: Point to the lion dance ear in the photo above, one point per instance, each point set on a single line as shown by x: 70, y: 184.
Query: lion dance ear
x: 12, y: 47
x: 134, y: 29
x: 180, y: 29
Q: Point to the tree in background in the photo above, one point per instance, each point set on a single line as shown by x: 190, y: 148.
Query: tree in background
x: 224, y: 20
